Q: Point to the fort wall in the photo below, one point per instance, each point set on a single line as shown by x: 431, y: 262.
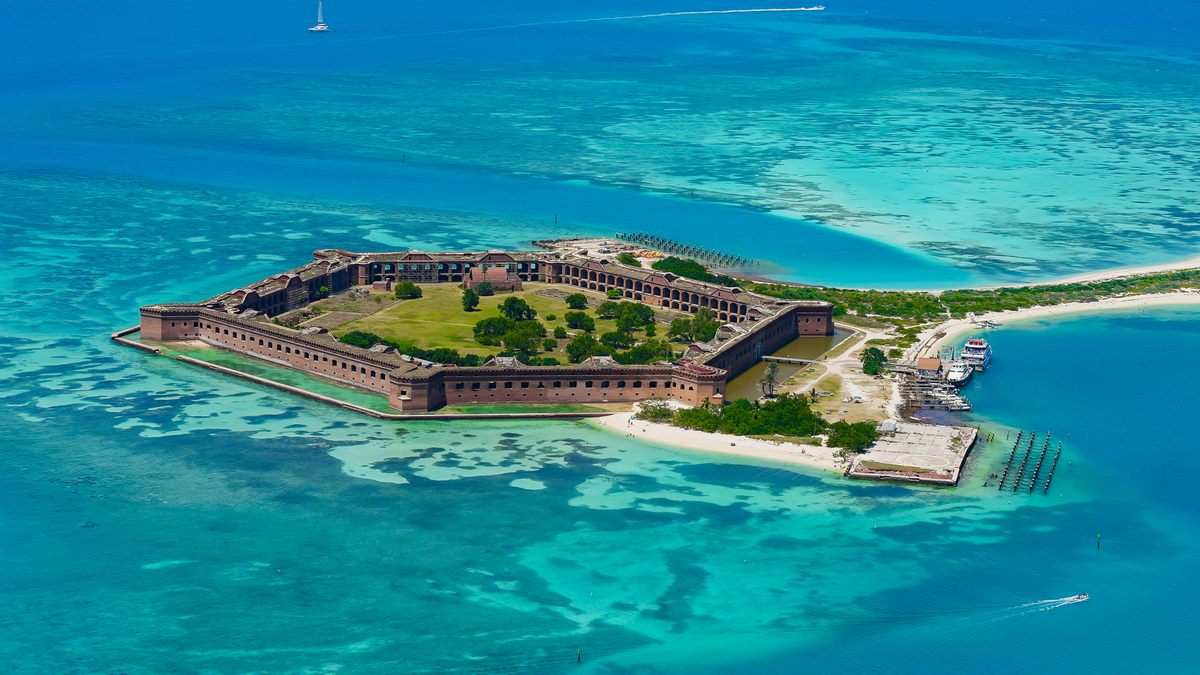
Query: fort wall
x: 237, y: 320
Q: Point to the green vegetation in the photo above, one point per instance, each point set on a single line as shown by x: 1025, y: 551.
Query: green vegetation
x: 580, y: 321
x: 584, y: 346
x: 770, y: 379
x: 686, y: 267
x: 617, y: 340
x: 925, y: 307
x: 407, y: 290
x: 470, y: 300
x: 853, y: 436
x: 497, y: 326
x: 790, y: 415
x: 323, y: 292
x: 884, y: 466
x: 485, y: 289
x: 701, y: 327
x: 614, y: 293
x: 628, y: 259
x: 576, y: 301
x: 873, y: 359
x: 517, y: 309
x: 367, y: 340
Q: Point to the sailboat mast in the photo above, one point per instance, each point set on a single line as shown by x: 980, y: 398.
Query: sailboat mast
x: 320, y: 18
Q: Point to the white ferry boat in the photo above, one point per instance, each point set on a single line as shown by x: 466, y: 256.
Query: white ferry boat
x: 958, y: 373
x: 977, y: 353
x: 321, y: 25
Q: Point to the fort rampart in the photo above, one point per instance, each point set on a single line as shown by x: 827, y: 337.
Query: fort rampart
x: 239, y: 320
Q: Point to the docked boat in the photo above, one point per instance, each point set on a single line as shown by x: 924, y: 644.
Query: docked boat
x: 321, y: 25
x: 977, y: 354
x: 958, y: 373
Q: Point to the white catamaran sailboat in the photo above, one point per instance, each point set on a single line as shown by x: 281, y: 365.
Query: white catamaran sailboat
x: 321, y: 25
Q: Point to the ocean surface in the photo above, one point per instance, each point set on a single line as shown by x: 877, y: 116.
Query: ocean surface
x: 159, y: 518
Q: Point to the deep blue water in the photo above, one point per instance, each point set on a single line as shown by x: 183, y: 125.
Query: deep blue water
x: 154, y: 518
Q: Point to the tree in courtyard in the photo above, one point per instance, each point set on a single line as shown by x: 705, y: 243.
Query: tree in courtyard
x: 523, y: 338
x: 607, y: 309
x: 580, y: 321
x: 549, y: 344
x: 560, y: 332
x: 680, y: 330
x: 617, y: 340
x: 485, y: 288
x: 651, y: 331
x: 614, y: 293
x: 576, y: 301
x: 470, y: 300
x: 705, y: 325
x: 407, y: 290
x: 769, y: 380
x: 584, y: 346
x: 323, y: 292
x: 628, y: 259
x: 517, y: 309
x: 491, y: 331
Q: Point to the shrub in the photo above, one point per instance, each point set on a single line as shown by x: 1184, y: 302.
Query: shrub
x: 407, y: 290
x: 856, y: 437
x: 655, y: 411
x: 614, y: 293
x: 552, y: 317
x: 485, y: 288
x: 560, y: 332
x: 628, y: 259
x: 549, y: 345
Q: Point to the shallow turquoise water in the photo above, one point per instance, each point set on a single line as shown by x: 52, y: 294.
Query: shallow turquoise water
x: 155, y: 517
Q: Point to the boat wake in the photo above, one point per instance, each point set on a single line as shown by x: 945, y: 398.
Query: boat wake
x: 636, y: 17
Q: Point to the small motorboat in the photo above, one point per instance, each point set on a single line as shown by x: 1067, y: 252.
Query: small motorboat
x: 1081, y: 597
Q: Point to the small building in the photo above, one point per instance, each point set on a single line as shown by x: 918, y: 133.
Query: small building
x: 929, y: 366
x: 501, y: 279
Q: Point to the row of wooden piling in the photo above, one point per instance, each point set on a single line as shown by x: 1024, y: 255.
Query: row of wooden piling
x: 697, y: 252
x: 1023, y: 464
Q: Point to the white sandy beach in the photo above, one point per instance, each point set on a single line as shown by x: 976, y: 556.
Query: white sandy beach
x: 723, y: 444
x: 933, y: 339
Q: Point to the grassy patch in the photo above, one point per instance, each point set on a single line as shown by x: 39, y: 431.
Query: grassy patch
x: 438, y: 319
x: 884, y: 466
x: 798, y: 440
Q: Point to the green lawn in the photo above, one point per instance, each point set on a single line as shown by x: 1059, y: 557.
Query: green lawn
x: 438, y: 319
x: 883, y: 466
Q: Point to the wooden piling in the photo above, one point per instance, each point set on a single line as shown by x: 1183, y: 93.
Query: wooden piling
x: 1053, y: 465
x: 1024, y: 462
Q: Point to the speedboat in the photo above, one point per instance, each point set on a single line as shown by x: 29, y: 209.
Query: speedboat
x: 1081, y: 597
x: 321, y: 25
